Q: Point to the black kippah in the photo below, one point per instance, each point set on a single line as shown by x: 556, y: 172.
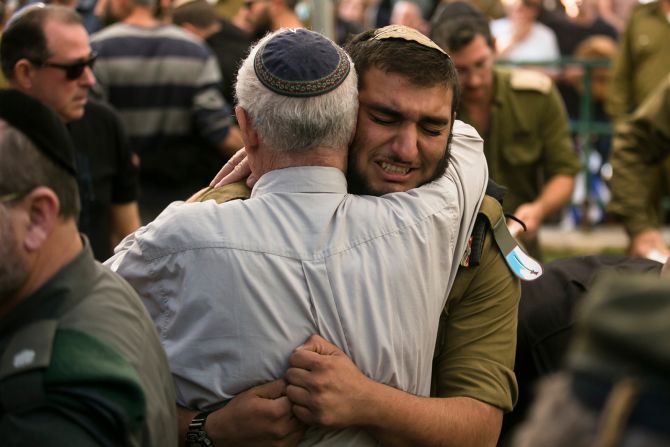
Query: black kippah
x: 299, y: 62
x: 37, y: 122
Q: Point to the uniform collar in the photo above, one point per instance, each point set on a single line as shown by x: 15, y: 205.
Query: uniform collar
x: 62, y: 291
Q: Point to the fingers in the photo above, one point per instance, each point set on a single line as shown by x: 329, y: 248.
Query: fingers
x: 240, y: 172
x: 320, y: 345
x: 228, y: 168
x: 297, y: 376
x: 270, y: 390
x: 284, y: 428
x: 303, y: 358
x: 251, y: 180
x: 298, y: 395
x: 304, y: 414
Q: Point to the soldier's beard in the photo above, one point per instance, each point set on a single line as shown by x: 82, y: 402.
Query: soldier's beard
x: 358, y: 184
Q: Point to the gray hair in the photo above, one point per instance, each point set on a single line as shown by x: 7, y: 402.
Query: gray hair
x: 297, y: 124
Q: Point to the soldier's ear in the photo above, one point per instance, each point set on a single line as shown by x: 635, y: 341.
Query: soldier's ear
x: 41, y: 207
x: 24, y: 71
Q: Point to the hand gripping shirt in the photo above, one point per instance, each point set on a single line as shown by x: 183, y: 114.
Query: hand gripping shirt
x: 234, y: 288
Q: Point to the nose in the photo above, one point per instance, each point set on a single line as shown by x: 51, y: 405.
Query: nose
x: 474, y: 79
x: 405, y: 143
x: 87, y: 79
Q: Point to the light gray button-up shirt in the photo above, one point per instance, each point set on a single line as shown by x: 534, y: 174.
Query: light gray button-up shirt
x: 234, y: 288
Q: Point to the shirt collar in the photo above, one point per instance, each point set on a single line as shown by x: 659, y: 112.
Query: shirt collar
x: 301, y: 179
x: 61, y: 291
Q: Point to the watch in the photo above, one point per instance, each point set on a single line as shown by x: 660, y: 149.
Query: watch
x: 196, y: 436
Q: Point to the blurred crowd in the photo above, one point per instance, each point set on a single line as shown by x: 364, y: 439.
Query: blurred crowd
x: 604, y: 57
x: 570, y: 98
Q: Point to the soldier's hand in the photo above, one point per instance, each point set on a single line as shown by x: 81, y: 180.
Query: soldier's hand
x: 531, y: 215
x: 324, y: 385
x: 236, y: 169
x: 260, y: 416
x: 649, y: 244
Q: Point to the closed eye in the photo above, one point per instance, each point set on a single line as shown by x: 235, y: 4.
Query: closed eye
x: 384, y: 120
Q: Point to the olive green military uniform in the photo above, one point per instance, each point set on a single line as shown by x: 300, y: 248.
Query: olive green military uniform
x: 642, y: 61
x: 528, y: 140
x: 640, y: 143
x: 476, y: 341
x: 81, y: 365
x: 477, y: 334
x: 493, y: 9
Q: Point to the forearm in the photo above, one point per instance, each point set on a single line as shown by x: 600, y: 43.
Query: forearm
x: 639, y: 145
x: 125, y: 220
x: 555, y: 194
x: 184, y: 417
x: 397, y: 418
x: 631, y: 188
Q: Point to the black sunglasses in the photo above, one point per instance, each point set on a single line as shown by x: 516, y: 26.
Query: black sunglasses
x: 74, y: 70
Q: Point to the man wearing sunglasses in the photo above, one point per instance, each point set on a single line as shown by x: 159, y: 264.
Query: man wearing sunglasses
x: 45, y: 53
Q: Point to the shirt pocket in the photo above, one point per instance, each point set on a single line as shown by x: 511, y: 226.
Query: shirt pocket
x: 523, y: 149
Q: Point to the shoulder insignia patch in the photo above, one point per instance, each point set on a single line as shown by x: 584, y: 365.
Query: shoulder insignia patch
x: 522, y: 79
x: 520, y: 263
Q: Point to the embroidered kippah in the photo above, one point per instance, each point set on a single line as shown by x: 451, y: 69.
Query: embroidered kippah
x: 299, y: 62
x: 406, y: 33
x: 41, y: 125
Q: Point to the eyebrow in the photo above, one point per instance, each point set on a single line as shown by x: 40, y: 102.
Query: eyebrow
x: 427, y: 119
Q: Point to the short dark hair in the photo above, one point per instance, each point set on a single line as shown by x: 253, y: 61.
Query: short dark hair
x: 457, y: 24
x: 24, y: 37
x: 420, y: 65
x: 199, y: 13
x: 23, y: 168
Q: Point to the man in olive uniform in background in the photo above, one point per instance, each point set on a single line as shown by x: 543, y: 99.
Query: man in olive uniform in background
x: 473, y: 383
x: 521, y: 117
x: 641, y: 142
x: 642, y: 60
x: 641, y: 64
x: 80, y: 360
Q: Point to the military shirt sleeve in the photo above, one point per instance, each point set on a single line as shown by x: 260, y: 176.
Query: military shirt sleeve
x: 93, y: 397
x: 619, y: 95
x: 477, y: 336
x: 640, y: 143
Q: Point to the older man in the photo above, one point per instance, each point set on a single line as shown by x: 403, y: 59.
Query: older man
x: 301, y: 255
x: 45, y: 54
x: 81, y: 361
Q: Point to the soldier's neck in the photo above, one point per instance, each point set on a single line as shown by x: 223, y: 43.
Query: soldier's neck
x: 479, y: 115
